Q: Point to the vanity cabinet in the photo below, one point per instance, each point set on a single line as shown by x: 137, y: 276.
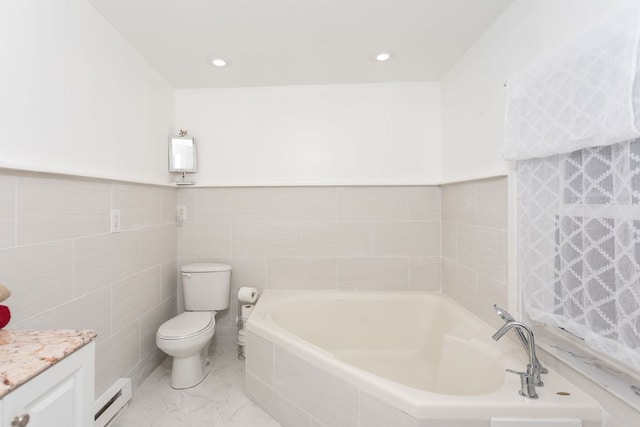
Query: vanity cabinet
x: 60, y: 396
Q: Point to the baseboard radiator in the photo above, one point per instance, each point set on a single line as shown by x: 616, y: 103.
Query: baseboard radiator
x: 112, y: 401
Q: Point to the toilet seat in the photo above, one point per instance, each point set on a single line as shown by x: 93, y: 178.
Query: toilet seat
x: 186, y: 325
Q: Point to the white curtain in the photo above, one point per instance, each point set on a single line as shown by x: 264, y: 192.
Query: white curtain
x: 584, y: 94
x: 579, y: 245
x: 572, y: 124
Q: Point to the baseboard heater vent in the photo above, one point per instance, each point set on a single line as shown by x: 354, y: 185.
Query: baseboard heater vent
x: 111, y: 401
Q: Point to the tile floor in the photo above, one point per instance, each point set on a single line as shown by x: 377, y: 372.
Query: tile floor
x: 219, y: 401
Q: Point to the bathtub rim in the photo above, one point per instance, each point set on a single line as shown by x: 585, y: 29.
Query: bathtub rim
x: 418, y: 403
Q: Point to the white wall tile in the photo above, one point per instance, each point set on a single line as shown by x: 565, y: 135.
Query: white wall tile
x: 116, y: 356
x: 460, y: 283
x: 90, y: 311
x: 157, y: 245
x: 372, y: 204
x: 312, y: 223
x: 474, y: 244
x: 144, y: 205
x: 423, y: 203
x: 64, y: 263
x: 231, y: 205
x: 151, y: 321
x: 104, y: 259
x: 456, y: 423
x: 145, y: 367
x: 317, y: 423
x: 301, y: 273
x: 60, y: 208
x: 167, y: 201
x: 329, y: 399
x: 450, y: 240
x: 134, y: 296
x: 260, y: 363
x: 7, y: 211
x: 483, y: 250
x: 492, y: 203
x: 336, y: 239
x: 169, y: 279
x: 373, y: 273
x: 204, y: 240
x: 278, y: 407
x: 301, y: 204
x: 377, y: 413
x: 425, y: 274
x: 406, y: 239
x: 259, y: 239
x: 459, y: 202
x: 39, y: 276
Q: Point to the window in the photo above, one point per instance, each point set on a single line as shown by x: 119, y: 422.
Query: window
x: 579, y: 245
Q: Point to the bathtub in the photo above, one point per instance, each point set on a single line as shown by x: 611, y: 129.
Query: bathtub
x: 390, y: 359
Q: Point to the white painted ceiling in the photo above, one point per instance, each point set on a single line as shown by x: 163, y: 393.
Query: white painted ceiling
x: 297, y: 42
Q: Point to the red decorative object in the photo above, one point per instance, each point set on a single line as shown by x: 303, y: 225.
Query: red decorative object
x: 5, y: 316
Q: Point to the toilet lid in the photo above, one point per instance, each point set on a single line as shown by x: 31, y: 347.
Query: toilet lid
x: 186, y: 324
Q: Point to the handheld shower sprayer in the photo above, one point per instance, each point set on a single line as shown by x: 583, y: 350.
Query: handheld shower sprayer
x: 508, y: 318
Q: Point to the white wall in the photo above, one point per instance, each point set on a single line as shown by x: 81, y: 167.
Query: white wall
x: 473, y: 92
x: 333, y: 134
x: 76, y: 97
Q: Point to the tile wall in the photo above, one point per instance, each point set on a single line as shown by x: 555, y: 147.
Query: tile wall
x: 474, y: 245
x: 378, y: 238
x: 66, y: 270
x: 298, y: 393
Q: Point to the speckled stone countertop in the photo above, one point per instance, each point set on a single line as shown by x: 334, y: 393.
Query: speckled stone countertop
x: 26, y: 353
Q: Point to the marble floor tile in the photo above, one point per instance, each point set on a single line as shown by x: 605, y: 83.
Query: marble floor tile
x: 219, y: 401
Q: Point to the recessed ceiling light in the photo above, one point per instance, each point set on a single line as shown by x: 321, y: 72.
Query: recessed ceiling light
x: 216, y: 61
x: 383, y: 56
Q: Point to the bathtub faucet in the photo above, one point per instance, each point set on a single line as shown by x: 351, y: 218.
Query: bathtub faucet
x: 538, y: 368
x: 528, y: 378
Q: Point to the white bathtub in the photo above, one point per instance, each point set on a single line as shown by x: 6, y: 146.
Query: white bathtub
x: 365, y: 359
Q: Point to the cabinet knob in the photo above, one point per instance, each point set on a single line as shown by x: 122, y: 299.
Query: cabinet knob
x: 20, y: 421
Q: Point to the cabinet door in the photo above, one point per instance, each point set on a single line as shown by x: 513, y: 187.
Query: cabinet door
x: 60, y: 396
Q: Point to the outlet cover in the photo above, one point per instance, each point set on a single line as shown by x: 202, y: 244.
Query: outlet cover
x: 181, y: 213
x: 115, y: 220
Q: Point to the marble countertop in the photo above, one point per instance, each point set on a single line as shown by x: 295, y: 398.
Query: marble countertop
x: 26, y: 353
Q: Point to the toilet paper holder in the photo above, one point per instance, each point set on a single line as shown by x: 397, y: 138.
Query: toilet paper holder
x: 247, y: 297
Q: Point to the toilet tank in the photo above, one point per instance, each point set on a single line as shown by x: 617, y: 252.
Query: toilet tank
x: 205, y: 286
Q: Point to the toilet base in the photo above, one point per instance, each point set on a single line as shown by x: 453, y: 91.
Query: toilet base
x: 187, y: 372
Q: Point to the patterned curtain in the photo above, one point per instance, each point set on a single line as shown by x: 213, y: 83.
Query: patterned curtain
x: 579, y: 245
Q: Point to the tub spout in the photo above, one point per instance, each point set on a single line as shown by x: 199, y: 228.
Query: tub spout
x: 528, y: 378
x: 504, y: 314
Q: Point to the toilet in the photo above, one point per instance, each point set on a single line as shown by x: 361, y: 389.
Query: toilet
x: 186, y: 337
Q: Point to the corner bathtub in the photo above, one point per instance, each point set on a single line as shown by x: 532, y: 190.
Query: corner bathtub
x: 390, y: 359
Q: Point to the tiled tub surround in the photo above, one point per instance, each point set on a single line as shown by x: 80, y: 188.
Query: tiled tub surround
x: 474, y: 245
x: 66, y: 270
x: 379, y: 359
x: 369, y: 238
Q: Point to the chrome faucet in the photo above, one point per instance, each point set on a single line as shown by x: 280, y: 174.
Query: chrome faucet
x: 531, y: 378
x: 538, y: 368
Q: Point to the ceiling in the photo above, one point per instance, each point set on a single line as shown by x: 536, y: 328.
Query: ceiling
x: 298, y: 42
